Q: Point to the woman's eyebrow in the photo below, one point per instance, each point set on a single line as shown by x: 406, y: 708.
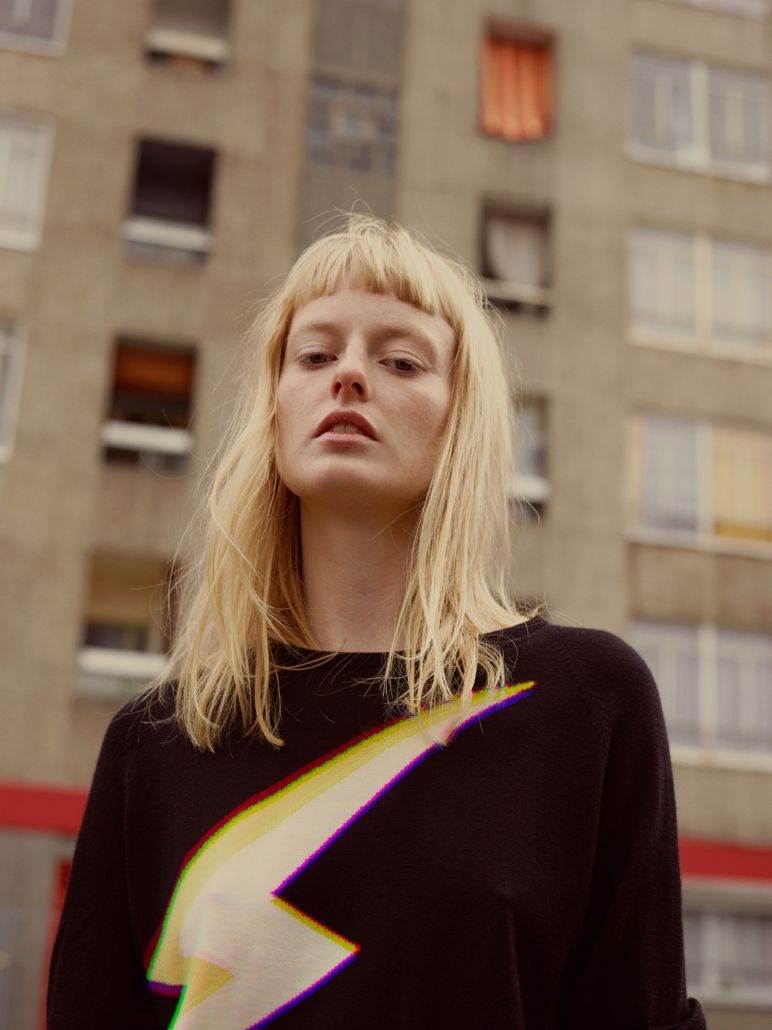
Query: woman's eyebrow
x: 390, y: 328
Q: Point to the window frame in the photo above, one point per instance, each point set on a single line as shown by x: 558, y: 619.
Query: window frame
x: 702, y: 539
x: 537, y: 38
x: 213, y: 51
x: 697, y: 158
x: 704, y: 247
x: 14, y: 239
x: 54, y: 47
x: 709, y: 751
x: 503, y: 292
x: 710, y: 914
x: 526, y: 489
x: 15, y: 344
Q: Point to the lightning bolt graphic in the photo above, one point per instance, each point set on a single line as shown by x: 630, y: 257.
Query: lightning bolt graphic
x: 238, y: 954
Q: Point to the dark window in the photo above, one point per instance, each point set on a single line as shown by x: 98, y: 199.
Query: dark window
x: 173, y: 182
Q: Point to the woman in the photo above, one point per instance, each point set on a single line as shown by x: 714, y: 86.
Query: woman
x: 372, y: 792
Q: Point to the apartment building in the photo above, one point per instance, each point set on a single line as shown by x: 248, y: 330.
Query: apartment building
x: 604, y: 166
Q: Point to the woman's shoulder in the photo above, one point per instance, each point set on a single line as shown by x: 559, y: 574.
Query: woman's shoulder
x: 605, y: 670
x: 143, y: 715
x: 611, y: 674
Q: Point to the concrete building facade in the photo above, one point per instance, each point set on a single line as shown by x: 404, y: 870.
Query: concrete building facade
x: 604, y: 166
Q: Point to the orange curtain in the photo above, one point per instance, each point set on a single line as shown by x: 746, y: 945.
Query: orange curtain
x: 516, y: 89
x: 154, y: 371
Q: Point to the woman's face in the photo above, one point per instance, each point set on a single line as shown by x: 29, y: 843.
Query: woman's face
x: 384, y: 359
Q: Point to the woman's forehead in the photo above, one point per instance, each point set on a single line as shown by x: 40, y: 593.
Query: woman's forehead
x: 351, y: 303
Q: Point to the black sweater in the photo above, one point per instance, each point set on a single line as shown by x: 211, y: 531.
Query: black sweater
x: 525, y: 877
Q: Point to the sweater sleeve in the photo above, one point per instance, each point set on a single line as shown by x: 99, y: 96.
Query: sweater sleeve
x: 627, y: 967
x: 96, y: 977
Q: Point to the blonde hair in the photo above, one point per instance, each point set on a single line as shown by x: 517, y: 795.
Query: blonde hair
x: 243, y: 593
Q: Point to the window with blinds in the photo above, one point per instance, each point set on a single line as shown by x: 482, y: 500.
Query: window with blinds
x: 170, y: 208
x: 530, y: 483
x: 11, y: 360
x: 516, y: 84
x: 729, y: 956
x: 189, y: 35
x: 700, y: 483
x: 515, y: 259
x: 700, y: 292
x: 36, y: 25
x: 699, y: 117
x: 25, y: 156
x: 128, y: 623
x: 150, y: 407
x: 715, y: 685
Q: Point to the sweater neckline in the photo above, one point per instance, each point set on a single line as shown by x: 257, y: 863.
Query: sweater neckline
x: 521, y: 629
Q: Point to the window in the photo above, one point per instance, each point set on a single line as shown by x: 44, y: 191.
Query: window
x: 747, y: 8
x: 531, y: 487
x: 189, y: 35
x: 699, y: 117
x: 515, y: 259
x: 352, y: 127
x: 170, y: 207
x: 25, y: 151
x: 729, y: 956
x: 700, y: 484
x: 516, y: 84
x: 38, y: 25
x: 127, y: 627
x: 715, y: 685
x: 11, y: 360
x: 150, y: 407
x: 359, y: 37
x: 700, y: 293
x: 10, y: 932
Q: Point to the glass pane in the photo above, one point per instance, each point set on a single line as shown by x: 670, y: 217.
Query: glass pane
x: 204, y: 17
x: 29, y: 19
x: 174, y: 182
x: 515, y: 250
x: 742, y: 298
x: 671, y: 653
x: 662, y: 281
x: 125, y: 638
x: 736, y: 105
x: 744, y: 685
x: 670, y: 474
x: 744, y: 939
x: 693, y: 947
x: 742, y: 484
x: 22, y: 148
x: 530, y: 440
x: 352, y: 127
x: 661, y: 104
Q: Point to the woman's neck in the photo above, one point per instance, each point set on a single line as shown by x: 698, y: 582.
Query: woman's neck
x: 354, y: 578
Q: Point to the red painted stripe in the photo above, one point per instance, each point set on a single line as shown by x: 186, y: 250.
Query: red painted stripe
x: 28, y: 806
x: 50, y: 809
x: 720, y: 860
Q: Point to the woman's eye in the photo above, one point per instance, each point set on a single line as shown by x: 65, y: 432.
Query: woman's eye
x: 413, y: 367
x: 406, y: 361
x: 315, y: 354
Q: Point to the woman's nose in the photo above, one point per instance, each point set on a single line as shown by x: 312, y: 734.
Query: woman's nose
x: 350, y: 373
